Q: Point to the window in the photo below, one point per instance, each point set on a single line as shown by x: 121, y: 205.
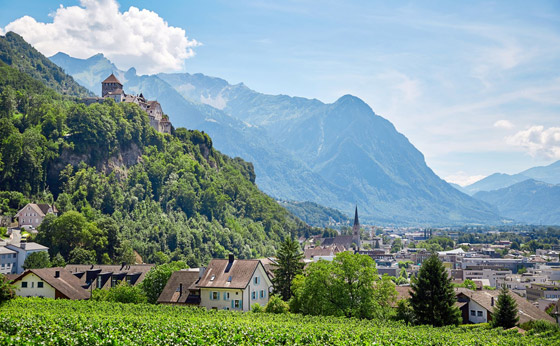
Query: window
x: 253, y: 295
x: 479, y: 313
x: 229, y: 279
x: 262, y: 293
x: 237, y: 304
x: 256, y: 280
x: 32, y: 284
x: 212, y: 278
x: 473, y: 313
x: 226, y: 295
x: 40, y: 284
x: 99, y: 282
x: 3, y: 265
x: 24, y: 284
x: 215, y: 296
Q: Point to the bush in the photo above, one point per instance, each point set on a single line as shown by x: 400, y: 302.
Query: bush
x: 6, y: 290
x: 123, y: 293
x: 276, y: 306
x: 257, y: 308
x: 541, y: 327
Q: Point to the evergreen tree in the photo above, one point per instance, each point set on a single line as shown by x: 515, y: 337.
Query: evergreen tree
x: 432, y: 297
x: 290, y: 264
x: 505, y: 312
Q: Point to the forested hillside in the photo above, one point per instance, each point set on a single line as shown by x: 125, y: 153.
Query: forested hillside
x: 19, y: 54
x: 121, y: 186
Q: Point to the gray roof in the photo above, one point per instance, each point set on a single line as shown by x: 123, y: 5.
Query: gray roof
x: 29, y: 246
x: 4, y: 250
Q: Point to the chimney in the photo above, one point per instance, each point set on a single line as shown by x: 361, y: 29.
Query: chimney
x: 231, y: 258
x: 57, y: 274
x: 122, y: 266
x: 180, y: 290
x: 492, y: 301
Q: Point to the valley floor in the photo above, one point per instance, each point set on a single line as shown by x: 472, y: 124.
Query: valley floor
x: 31, y: 321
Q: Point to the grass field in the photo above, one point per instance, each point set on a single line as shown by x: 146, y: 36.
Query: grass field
x: 36, y: 321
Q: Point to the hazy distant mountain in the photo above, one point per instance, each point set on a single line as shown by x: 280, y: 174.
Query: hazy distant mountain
x: 335, y: 154
x: 530, y: 201
x: 458, y: 187
x: 548, y: 174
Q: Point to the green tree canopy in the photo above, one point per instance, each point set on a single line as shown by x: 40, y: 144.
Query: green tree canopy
x: 290, y: 264
x: 6, y: 290
x: 157, y: 278
x: 36, y: 260
x: 432, y: 297
x: 505, y: 312
x: 347, y: 286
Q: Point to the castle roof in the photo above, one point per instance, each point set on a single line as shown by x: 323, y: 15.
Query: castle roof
x: 112, y: 79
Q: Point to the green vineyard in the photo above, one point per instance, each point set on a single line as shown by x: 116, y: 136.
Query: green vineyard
x: 61, y: 322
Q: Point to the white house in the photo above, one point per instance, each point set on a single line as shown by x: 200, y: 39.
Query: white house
x: 33, y: 214
x: 56, y: 283
x: 8, y: 260
x: 230, y: 284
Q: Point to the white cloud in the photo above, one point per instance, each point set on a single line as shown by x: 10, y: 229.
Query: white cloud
x: 463, y: 179
x: 503, y: 124
x: 538, y: 141
x: 139, y: 38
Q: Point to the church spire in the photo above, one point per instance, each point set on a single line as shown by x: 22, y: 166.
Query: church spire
x: 356, y: 230
x: 356, y: 222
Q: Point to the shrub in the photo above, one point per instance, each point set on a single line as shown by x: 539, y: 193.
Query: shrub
x: 276, y: 306
x: 257, y: 308
x: 541, y: 327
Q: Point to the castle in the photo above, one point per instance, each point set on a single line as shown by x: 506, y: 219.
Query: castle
x: 112, y: 88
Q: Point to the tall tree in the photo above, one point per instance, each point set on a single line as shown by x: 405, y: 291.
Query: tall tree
x: 505, y: 312
x: 290, y: 264
x: 432, y: 297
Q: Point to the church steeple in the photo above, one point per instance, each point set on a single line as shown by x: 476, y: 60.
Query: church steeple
x: 356, y: 230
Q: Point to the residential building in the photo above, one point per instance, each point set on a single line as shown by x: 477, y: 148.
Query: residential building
x: 107, y: 276
x: 230, y: 284
x: 8, y: 260
x: 490, y: 273
x: 543, y: 291
x: 55, y: 283
x: 23, y: 250
x: 478, y: 306
x: 518, y: 283
x: 33, y: 214
x: 181, y: 288
x: 513, y: 264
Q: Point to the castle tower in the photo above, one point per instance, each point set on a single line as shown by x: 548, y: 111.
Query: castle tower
x: 356, y: 230
x: 111, y: 84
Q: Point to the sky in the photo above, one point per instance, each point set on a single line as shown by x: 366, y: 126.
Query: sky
x: 475, y: 85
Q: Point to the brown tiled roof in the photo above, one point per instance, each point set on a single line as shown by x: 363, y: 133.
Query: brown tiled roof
x: 109, y: 270
x: 41, y: 208
x: 240, y: 271
x: 183, y: 279
x: 67, y: 284
x: 403, y: 292
x: 526, y: 310
x: 112, y: 79
x: 45, y: 208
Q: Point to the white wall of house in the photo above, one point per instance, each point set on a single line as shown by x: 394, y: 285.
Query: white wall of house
x: 259, y: 288
x: 221, y: 298
x: 34, y: 289
x: 480, y: 313
x: 8, y: 260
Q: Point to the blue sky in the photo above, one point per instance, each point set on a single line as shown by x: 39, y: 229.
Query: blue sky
x: 474, y: 85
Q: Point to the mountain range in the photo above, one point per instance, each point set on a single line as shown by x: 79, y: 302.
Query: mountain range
x: 337, y: 155
x: 548, y: 174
